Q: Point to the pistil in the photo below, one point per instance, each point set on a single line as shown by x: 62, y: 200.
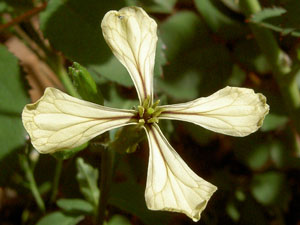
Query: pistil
x: 148, y: 113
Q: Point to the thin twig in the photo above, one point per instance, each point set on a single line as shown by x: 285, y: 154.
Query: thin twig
x: 32, y: 183
x: 24, y: 16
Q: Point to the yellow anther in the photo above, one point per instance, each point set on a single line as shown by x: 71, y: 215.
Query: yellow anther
x: 141, y: 121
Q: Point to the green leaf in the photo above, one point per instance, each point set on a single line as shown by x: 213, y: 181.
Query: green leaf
x: 75, y: 206
x: 116, y: 101
x: 199, y: 134
x: 232, y: 4
x: 269, y: 188
x: 13, y: 98
x: 284, y: 20
x: 184, y: 88
x: 177, y: 32
x: 60, y: 218
x: 157, y: 6
x: 280, y: 156
x: 178, y: 35
x: 233, y: 211
x: 84, y: 84
x: 237, y: 77
x: 273, y: 122
x: 73, y: 27
x: 118, y: 220
x: 254, y: 60
x: 252, y: 151
x: 217, y: 20
x: 87, y: 177
x: 267, y: 13
x: 258, y: 156
x: 129, y: 197
x: 4, y: 7
x: 193, y: 58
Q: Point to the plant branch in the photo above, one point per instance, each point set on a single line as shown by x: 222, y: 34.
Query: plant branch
x: 24, y: 16
x: 32, y: 184
x: 279, y: 61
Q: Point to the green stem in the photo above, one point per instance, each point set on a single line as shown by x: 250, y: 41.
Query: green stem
x: 107, y: 170
x: 279, y: 61
x: 32, y: 184
x: 58, y: 168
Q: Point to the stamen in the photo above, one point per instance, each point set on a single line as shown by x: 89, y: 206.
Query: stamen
x: 141, y: 110
x: 148, y: 113
x: 146, y: 102
x: 141, y: 122
x: 153, y: 120
x: 155, y: 104
x: 157, y: 112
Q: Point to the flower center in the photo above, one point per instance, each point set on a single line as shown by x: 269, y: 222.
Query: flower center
x: 148, y: 113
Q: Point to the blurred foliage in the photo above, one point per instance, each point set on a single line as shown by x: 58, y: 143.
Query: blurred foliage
x: 282, y: 20
x: 203, y: 46
x: 11, y: 91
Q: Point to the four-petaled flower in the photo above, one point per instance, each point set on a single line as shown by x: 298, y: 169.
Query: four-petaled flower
x: 58, y: 121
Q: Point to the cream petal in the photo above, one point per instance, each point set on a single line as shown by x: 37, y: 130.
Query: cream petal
x: 231, y: 110
x: 171, y: 184
x: 58, y: 121
x: 131, y: 35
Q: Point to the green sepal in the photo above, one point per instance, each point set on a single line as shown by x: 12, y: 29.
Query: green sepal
x: 84, y: 84
x: 66, y: 154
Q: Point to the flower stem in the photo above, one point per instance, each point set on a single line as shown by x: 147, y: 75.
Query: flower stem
x: 107, y: 170
x: 32, y: 184
x: 58, y: 168
x: 279, y: 61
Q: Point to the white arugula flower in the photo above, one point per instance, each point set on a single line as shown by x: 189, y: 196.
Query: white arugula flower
x: 59, y: 122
